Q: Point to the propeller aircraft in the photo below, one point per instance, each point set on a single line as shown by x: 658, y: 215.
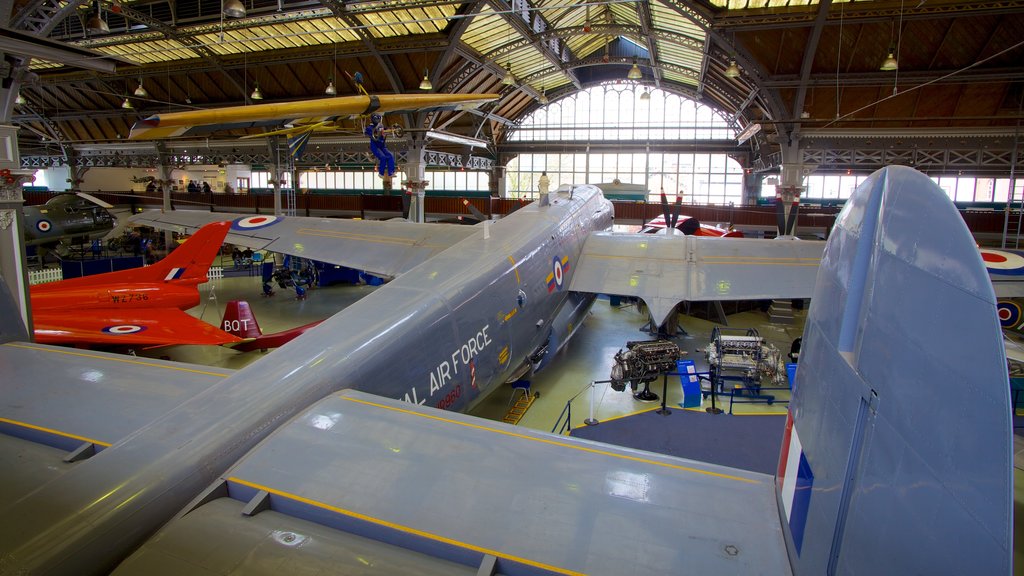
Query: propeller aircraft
x: 330, y: 455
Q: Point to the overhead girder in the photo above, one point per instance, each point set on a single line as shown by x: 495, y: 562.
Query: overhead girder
x: 774, y: 106
x: 527, y: 30
x: 648, y: 31
x: 862, y: 13
x: 300, y: 55
x: 338, y: 10
x: 173, y: 157
x: 810, y: 48
x: 455, y: 32
x: 913, y: 77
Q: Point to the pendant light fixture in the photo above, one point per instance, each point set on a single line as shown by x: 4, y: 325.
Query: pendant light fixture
x: 733, y: 70
x: 20, y: 100
x: 425, y: 83
x: 256, y: 94
x: 331, y: 90
x: 127, y: 104
x: 233, y: 9
x: 510, y: 78
x: 96, y: 23
x: 646, y: 95
x: 140, y: 91
x: 634, y: 72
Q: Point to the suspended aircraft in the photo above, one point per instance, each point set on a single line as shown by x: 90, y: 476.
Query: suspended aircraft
x: 328, y: 454
x: 136, y: 307
x: 75, y: 217
x: 298, y: 120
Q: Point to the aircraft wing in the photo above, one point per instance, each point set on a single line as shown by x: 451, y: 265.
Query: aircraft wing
x: 196, y: 122
x: 142, y: 327
x: 62, y: 402
x: 384, y: 248
x: 1006, y: 270
x: 665, y: 270
x: 429, y: 485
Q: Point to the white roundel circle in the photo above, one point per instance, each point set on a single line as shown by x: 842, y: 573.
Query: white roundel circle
x: 122, y: 329
x: 1003, y: 262
x: 254, y: 222
x: 557, y: 266
x: 44, y: 225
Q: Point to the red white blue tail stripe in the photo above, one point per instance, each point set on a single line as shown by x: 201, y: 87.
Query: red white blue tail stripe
x: 794, y: 480
x: 174, y: 274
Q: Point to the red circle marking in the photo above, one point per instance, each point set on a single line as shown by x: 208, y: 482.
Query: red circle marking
x: 1004, y: 313
x: 256, y: 220
x: 992, y: 257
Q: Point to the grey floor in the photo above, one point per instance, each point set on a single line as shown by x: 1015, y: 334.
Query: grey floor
x: 586, y: 358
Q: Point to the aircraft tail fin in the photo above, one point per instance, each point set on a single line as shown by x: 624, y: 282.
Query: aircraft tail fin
x: 897, y: 456
x: 240, y: 321
x: 297, y: 143
x: 191, y: 260
x: 189, y: 263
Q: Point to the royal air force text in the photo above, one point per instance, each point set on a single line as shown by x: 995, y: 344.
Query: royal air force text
x: 454, y: 366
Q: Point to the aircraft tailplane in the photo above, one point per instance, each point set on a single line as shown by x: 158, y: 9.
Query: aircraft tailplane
x: 240, y: 321
x: 897, y: 457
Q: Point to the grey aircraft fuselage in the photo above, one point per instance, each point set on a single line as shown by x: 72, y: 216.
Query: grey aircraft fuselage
x: 443, y: 334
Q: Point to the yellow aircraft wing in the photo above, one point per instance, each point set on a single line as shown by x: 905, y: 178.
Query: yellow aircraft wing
x: 195, y: 122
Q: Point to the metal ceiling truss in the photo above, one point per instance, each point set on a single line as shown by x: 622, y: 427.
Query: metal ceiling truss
x: 649, y: 32
x: 862, y: 13
x: 126, y: 158
x: 525, y: 19
x: 953, y: 161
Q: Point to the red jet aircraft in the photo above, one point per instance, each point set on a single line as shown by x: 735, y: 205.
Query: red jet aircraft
x: 138, y: 307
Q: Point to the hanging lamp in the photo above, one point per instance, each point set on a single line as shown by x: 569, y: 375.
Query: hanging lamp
x: 234, y: 9
x: 733, y: 70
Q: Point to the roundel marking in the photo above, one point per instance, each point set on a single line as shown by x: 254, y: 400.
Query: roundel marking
x: 558, y: 272
x: 1003, y: 262
x: 254, y: 222
x: 1009, y: 313
x: 44, y: 225
x: 121, y: 329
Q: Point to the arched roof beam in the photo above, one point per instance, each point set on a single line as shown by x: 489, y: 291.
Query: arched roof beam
x: 863, y: 13
x: 647, y: 29
x: 810, y: 48
x: 338, y: 9
x: 774, y: 106
x: 529, y: 23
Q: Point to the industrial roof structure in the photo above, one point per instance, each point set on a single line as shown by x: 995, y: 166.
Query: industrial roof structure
x: 794, y: 67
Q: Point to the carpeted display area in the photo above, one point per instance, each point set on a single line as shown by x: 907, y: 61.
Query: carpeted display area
x: 747, y: 442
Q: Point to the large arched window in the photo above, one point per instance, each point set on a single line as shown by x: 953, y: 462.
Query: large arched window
x: 617, y: 113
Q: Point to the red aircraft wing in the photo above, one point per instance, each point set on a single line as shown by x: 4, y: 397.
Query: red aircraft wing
x: 152, y: 327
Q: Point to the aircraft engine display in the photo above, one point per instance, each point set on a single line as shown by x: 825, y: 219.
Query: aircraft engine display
x: 642, y: 361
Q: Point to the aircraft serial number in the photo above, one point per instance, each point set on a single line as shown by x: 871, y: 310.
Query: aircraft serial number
x: 449, y: 399
x: 130, y: 297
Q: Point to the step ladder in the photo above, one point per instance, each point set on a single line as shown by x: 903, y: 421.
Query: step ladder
x: 518, y: 410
